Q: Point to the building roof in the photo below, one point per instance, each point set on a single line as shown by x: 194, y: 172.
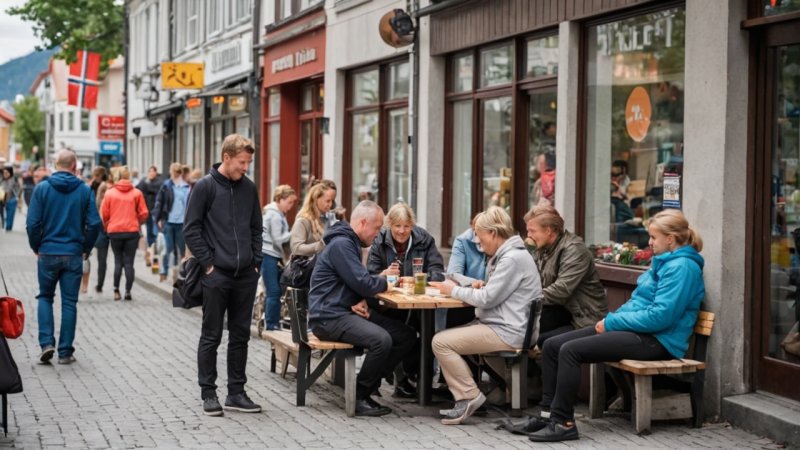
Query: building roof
x: 39, y: 78
x: 7, y: 116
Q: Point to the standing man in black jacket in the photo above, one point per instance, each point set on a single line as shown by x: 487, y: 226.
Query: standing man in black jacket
x: 223, y: 230
x: 150, y: 187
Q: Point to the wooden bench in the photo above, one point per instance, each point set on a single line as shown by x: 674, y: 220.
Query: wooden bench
x: 297, y: 303
x: 283, y: 349
x: 646, y: 407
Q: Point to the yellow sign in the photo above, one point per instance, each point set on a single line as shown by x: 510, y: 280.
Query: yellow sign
x: 179, y: 75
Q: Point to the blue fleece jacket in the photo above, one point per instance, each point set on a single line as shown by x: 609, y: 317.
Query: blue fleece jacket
x: 465, y: 257
x: 340, y: 280
x: 666, y: 300
x: 62, y: 217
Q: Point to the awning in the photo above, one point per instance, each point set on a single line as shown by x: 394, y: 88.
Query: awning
x: 157, y: 111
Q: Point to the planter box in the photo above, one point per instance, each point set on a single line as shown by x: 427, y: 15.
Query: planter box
x: 619, y: 281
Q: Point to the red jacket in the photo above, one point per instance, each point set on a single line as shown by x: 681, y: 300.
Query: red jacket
x: 124, y: 209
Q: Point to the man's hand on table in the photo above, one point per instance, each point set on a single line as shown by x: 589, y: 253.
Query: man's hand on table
x: 444, y: 287
x: 361, y: 309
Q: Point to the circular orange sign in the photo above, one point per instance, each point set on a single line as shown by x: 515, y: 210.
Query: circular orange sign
x: 637, y: 114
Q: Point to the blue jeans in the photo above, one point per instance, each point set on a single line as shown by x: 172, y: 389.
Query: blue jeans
x: 11, y: 209
x: 173, y: 237
x: 152, y: 230
x: 271, y: 276
x: 65, y: 271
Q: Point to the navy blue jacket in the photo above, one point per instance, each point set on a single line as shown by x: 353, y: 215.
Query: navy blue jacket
x: 62, y: 217
x: 339, y: 280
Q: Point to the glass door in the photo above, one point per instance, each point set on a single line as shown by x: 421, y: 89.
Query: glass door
x: 777, y: 295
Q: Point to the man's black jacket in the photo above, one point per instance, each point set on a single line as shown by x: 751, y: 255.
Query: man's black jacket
x: 223, y: 224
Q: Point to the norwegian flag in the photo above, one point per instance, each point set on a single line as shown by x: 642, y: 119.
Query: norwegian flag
x: 82, y: 81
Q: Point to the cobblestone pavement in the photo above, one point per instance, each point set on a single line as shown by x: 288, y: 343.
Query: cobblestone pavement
x: 134, y: 385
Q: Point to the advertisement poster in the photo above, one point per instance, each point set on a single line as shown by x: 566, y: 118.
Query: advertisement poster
x: 672, y: 191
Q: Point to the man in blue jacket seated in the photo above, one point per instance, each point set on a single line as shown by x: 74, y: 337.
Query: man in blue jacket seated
x: 338, y: 310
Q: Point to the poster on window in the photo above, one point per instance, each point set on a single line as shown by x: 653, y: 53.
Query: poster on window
x: 672, y: 191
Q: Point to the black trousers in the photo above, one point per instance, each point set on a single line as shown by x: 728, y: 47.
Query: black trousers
x: 563, y: 355
x: 124, y: 246
x: 387, y: 342
x: 410, y: 363
x: 235, y: 295
x: 101, y: 245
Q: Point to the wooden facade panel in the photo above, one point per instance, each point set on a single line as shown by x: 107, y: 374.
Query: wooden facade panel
x: 479, y: 22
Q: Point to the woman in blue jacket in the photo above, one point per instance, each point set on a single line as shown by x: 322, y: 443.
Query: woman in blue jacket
x: 654, y: 324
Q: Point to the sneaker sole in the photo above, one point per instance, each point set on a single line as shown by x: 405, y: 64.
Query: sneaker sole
x: 244, y: 410
x: 47, y: 355
x: 214, y: 413
x: 473, y: 406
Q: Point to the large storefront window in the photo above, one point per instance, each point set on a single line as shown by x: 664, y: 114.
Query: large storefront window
x: 784, y: 312
x: 488, y: 162
x: 382, y: 165
x: 634, y: 129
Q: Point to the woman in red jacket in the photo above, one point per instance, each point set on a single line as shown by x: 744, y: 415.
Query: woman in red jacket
x: 123, y: 212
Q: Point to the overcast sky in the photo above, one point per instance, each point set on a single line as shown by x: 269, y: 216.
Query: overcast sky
x: 16, y: 36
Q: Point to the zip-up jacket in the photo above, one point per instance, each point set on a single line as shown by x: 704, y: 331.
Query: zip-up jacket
x: 62, y: 218
x: 164, y: 200
x: 123, y: 209
x: 223, y: 224
x: 382, y: 254
x: 150, y: 189
x: 339, y: 280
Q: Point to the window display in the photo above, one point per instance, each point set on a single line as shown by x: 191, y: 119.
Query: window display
x: 634, y: 129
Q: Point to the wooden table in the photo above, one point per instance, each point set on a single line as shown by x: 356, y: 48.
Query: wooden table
x: 426, y: 304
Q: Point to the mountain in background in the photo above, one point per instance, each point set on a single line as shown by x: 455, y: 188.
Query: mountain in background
x: 17, y: 75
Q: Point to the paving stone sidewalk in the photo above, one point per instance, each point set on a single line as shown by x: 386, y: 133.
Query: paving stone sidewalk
x: 134, y: 385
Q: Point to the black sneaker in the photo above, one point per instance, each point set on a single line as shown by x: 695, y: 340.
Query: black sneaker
x: 532, y: 425
x: 555, y: 432
x: 211, y: 407
x: 47, y: 354
x: 128, y: 296
x: 405, y: 389
x: 370, y: 408
x: 241, y: 402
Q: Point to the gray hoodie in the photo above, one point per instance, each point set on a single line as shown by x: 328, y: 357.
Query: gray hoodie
x: 276, y: 231
x: 504, y: 302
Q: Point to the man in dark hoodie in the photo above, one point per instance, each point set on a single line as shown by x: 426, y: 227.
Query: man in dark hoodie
x: 62, y: 226
x: 222, y: 227
x: 338, y: 311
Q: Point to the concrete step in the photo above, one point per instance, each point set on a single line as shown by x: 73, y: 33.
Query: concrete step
x: 765, y: 414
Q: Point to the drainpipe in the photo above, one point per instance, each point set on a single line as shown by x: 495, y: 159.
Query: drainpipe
x: 413, y: 6
x: 126, y: 53
x: 254, y: 91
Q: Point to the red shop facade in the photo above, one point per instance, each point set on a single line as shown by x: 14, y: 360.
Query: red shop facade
x: 292, y: 105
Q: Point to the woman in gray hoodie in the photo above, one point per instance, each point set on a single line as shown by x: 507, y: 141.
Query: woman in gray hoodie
x: 276, y: 233
x: 502, y: 309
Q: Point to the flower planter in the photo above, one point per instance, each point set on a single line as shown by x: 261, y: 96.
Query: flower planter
x: 619, y: 281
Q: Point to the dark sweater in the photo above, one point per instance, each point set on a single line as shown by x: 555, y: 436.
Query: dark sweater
x: 223, y: 223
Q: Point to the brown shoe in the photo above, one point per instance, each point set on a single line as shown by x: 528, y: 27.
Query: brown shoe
x: 162, y: 277
x: 117, y: 296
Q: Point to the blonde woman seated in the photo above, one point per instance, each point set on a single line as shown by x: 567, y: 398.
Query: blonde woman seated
x: 502, y: 308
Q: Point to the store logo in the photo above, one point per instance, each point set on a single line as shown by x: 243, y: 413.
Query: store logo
x: 637, y: 114
x: 295, y: 59
x: 628, y: 36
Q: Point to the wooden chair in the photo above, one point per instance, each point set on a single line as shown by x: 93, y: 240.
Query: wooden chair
x: 297, y: 303
x: 517, y: 362
x: 690, y: 370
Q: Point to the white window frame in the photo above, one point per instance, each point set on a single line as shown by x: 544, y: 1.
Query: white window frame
x: 219, y: 7
x: 152, y: 35
x: 192, y: 22
x: 238, y: 11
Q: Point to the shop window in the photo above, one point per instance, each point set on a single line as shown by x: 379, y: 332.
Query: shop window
x: 462, y: 73
x: 497, y: 65
x: 488, y: 160
x: 84, y: 120
x: 541, y: 57
x: 274, y: 102
x: 308, y: 97
x: 772, y: 7
x: 634, y: 129
x: 382, y: 163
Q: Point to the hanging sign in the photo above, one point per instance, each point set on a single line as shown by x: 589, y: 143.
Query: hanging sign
x: 180, y: 75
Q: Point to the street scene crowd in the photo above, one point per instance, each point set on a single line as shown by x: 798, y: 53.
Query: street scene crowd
x: 546, y: 285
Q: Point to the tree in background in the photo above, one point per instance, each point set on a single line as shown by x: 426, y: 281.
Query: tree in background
x: 94, y: 25
x: 29, y: 125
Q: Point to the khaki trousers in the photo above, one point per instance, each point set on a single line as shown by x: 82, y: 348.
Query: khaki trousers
x: 471, y: 339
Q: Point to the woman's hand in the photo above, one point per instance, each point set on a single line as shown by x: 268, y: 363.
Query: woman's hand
x: 393, y: 269
x: 445, y: 287
x: 600, y: 327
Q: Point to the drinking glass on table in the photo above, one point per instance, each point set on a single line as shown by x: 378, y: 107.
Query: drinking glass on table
x: 416, y: 264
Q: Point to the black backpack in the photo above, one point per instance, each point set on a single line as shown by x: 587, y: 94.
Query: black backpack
x: 187, y: 292
x: 297, y: 274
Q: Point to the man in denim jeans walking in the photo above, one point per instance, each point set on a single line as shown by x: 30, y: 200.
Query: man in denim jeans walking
x: 62, y: 226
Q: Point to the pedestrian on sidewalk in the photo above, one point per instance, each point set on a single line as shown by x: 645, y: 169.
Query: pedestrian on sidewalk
x: 223, y: 231
x: 12, y: 189
x: 123, y: 212
x: 150, y: 187
x: 169, y: 211
x: 101, y: 181
x: 62, y: 226
x: 276, y: 236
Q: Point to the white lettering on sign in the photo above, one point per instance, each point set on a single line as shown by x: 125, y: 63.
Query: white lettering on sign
x: 295, y: 59
x: 629, y: 36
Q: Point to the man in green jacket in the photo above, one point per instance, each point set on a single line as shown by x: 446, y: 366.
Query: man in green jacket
x: 573, y: 295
